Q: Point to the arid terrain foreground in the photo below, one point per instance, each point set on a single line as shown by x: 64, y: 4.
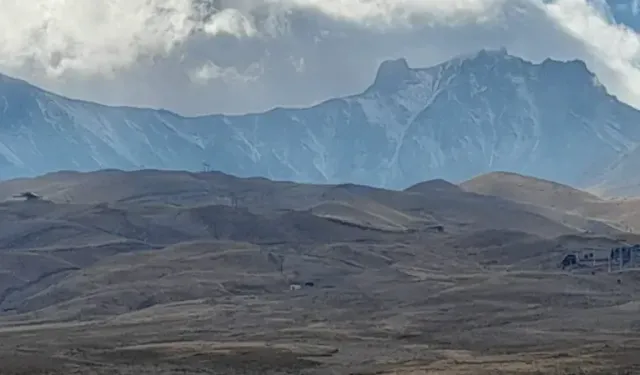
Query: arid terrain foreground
x: 161, y: 272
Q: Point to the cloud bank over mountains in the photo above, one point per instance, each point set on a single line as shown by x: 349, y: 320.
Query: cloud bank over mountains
x: 234, y: 56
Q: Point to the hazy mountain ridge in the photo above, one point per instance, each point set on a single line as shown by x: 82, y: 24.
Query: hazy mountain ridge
x: 474, y: 114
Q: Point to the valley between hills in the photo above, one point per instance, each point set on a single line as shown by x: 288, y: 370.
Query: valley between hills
x: 171, y: 272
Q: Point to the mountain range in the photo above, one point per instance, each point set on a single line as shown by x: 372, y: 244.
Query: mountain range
x: 489, y: 111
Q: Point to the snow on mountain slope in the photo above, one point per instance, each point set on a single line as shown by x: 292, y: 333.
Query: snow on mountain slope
x: 474, y: 114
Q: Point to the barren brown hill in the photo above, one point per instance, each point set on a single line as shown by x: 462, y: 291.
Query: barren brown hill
x: 531, y: 190
x: 166, y: 272
x: 561, y: 203
x: 142, y: 192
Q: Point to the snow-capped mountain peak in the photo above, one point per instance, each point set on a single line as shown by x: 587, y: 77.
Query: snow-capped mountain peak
x: 393, y: 75
x: 473, y: 114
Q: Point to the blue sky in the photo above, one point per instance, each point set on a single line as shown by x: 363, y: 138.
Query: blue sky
x: 626, y: 12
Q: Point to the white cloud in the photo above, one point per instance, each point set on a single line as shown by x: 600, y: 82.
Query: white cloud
x: 614, y: 50
x: 198, y: 56
x: 210, y: 71
x: 230, y: 21
x: 103, y: 36
x: 385, y: 14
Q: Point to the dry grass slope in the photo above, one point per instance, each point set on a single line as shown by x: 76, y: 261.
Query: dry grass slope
x: 562, y: 203
x: 169, y: 272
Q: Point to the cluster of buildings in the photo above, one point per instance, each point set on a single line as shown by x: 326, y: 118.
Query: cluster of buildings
x: 615, y: 259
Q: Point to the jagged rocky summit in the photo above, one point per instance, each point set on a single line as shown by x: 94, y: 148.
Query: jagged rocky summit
x: 473, y: 114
